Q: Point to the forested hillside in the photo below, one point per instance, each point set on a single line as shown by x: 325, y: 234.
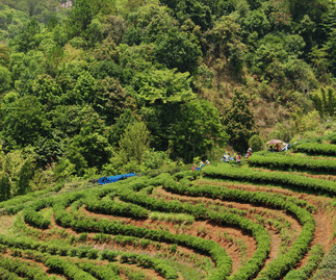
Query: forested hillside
x: 128, y: 85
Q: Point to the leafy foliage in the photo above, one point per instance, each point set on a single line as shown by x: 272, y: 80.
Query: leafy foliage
x: 193, y: 71
x: 239, y: 122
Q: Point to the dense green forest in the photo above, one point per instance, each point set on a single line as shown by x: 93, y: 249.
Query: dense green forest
x: 113, y: 86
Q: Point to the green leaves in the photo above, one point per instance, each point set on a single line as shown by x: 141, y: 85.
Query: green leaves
x: 178, y: 50
x: 278, y: 178
x: 239, y: 121
x: 25, y: 39
x: 35, y: 219
x: 5, y: 187
x: 294, y: 162
x: 117, y: 208
x: 315, y: 148
x: 163, y: 86
x: 25, y: 121
x: 198, y: 130
x: 280, y: 265
x: 68, y: 269
x: 5, y: 78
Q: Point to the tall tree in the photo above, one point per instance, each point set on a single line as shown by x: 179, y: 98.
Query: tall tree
x: 239, y: 121
x: 25, y: 39
x: 135, y: 142
x: 5, y: 187
x: 4, y: 55
x: 178, y: 50
x: 25, y: 175
x: 313, y: 8
x: 80, y: 17
x: 24, y: 121
x: 226, y: 44
x: 197, y: 130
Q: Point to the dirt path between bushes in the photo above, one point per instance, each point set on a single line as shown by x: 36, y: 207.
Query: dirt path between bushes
x: 214, y: 231
x: 320, y: 202
x: 322, y: 235
x: 44, y: 268
x: 148, y: 272
x: 275, y: 238
x: 325, y: 220
x: 151, y: 250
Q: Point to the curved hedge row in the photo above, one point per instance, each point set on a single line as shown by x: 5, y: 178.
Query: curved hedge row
x: 148, y: 262
x: 100, y: 272
x: 279, y: 178
x: 154, y: 204
x: 199, y: 210
x: 281, y: 265
x: 315, y: 257
x: 7, y: 275
x: 117, y: 208
x: 293, y: 162
x: 35, y: 219
x: 222, y: 260
x: 22, y: 269
x: 158, y: 265
x: 316, y: 148
x: 70, y: 270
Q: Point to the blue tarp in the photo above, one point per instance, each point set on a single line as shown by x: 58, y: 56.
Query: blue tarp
x: 112, y: 179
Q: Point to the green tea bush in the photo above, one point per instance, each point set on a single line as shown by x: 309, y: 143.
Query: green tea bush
x: 22, y: 269
x: 316, y: 148
x: 285, y: 162
x: 109, y: 255
x: 116, y: 208
x: 35, y: 219
x: 315, y: 257
x: 7, y: 275
x: 70, y: 270
x: 278, y: 178
x: 277, y: 268
x: 327, y: 268
x: 99, y: 271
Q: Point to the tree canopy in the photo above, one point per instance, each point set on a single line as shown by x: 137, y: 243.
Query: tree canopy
x: 77, y: 85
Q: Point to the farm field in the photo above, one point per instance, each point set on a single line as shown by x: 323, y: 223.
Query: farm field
x: 224, y: 222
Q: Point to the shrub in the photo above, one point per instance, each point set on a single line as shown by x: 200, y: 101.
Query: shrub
x: 286, y: 162
x: 256, y: 143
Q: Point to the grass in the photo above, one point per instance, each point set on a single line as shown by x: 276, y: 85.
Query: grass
x: 175, y: 218
x: 46, y: 213
x: 189, y: 272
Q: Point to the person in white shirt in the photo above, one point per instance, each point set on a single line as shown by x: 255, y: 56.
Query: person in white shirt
x: 226, y: 158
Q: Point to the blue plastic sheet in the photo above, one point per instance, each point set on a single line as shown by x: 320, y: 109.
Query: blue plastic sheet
x: 112, y: 179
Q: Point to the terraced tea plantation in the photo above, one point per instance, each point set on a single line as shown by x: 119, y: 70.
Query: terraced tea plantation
x: 222, y: 223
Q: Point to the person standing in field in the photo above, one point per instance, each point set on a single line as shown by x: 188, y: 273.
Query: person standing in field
x: 207, y: 162
x: 248, y: 155
x: 226, y: 158
x: 238, y: 159
x: 193, y: 168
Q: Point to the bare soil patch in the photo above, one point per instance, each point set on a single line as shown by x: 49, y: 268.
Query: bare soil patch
x: 275, y: 238
x: 215, y: 232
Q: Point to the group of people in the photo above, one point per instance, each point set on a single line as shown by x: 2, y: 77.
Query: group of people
x: 226, y: 158
x: 193, y: 168
x: 280, y: 147
x: 236, y: 157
